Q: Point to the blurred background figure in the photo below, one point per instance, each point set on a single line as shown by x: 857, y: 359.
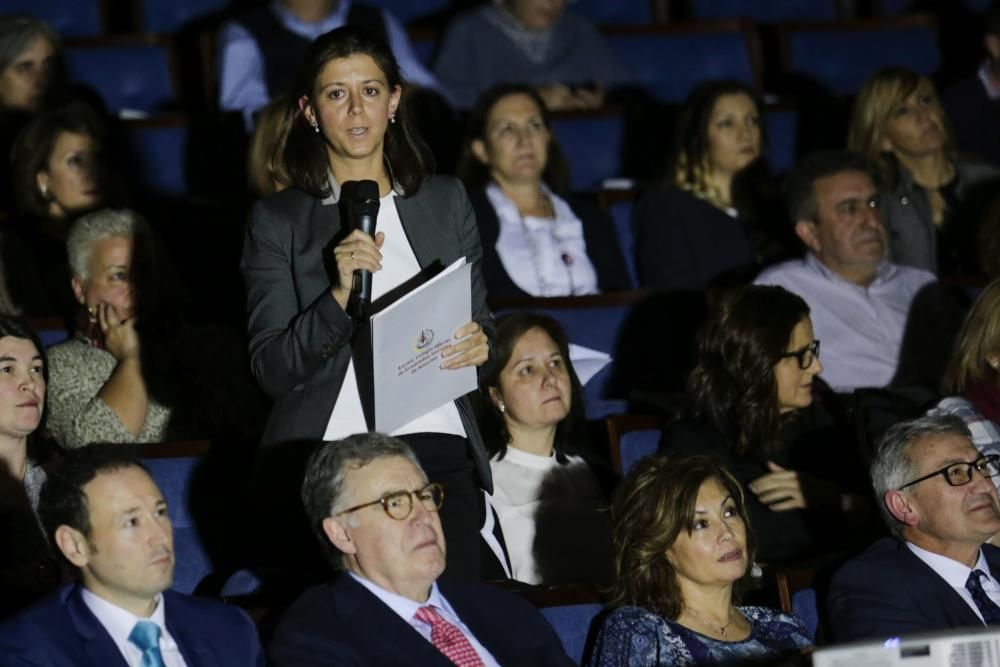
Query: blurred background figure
x: 702, y: 225
x: 552, y: 508
x: 264, y: 162
x: 534, y: 241
x: 535, y: 41
x: 683, y: 551
x: 898, y: 124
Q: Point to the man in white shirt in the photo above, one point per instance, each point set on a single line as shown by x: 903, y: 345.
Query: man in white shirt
x: 859, y: 301
x: 375, y: 514
x: 106, y: 516
x: 937, y: 572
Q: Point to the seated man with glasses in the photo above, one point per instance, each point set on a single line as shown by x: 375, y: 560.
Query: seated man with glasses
x: 937, y: 571
x: 376, y: 516
x: 859, y: 300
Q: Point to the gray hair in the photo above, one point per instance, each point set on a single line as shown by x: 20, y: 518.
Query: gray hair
x: 892, y: 466
x: 323, y: 486
x: 97, y: 226
x: 17, y: 33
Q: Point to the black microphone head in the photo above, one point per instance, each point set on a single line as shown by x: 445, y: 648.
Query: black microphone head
x: 365, y: 190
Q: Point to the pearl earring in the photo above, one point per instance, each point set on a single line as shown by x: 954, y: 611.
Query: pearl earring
x: 316, y: 127
x: 503, y: 408
x: 392, y: 118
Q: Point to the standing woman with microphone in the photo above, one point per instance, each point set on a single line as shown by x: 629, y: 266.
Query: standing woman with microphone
x: 348, y: 122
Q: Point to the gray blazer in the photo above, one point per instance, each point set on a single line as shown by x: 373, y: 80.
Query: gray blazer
x: 300, y: 338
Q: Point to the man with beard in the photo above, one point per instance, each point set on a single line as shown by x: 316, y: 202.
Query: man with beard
x: 859, y: 301
x: 936, y: 572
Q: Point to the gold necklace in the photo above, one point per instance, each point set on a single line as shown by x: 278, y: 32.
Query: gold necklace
x: 722, y: 628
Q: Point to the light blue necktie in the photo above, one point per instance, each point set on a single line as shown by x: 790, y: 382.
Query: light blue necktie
x: 146, y: 635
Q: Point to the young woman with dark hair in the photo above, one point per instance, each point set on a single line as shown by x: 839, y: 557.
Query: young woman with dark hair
x: 349, y: 123
x: 755, y: 366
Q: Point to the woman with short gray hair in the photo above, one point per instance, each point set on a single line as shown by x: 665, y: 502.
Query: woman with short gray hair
x: 29, y: 58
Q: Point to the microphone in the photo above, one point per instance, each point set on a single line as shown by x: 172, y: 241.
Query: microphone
x: 362, y: 200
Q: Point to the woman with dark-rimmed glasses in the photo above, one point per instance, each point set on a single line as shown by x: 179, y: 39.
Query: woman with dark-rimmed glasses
x: 748, y: 395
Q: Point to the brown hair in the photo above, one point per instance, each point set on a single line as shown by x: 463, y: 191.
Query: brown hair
x: 265, y: 164
x: 978, y: 338
x: 658, y: 502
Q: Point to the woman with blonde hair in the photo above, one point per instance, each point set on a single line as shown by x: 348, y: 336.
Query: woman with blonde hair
x: 972, y: 381
x: 898, y: 123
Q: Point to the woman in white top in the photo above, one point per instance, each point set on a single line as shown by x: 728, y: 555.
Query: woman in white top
x: 551, y: 507
x: 535, y: 242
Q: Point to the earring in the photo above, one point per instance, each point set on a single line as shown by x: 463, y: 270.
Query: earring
x: 316, y: 127
x: 44, y: 191
x: 503, y: 408
x: 392, y: 118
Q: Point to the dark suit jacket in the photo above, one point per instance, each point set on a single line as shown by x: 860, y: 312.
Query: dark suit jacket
x: 887, y: 592
x: 344, y: 624
x: 61, y: 631
x: 300, y: 338
x: 603, y: 249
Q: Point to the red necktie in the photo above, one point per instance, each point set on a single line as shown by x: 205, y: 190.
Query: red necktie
x: 448, y: 639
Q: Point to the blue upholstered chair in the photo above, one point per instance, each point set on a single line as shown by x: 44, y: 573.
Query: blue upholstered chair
x: 592, y: 144
x: 670, y: 61
x: 134, y: 72
x: 408, y: 11
x: 174, y: 475
x: 772, y: 11
x: 240, y: 583
x: 782, y: 138
x: 636, y: 12
x: 619, y: 203
x: 797, y: 596
x: 69, y: 18
x: 171, y: 15
x: 840, y: 56
x: 572, y: 624
x: 632, y: 437
x: 159, y: 146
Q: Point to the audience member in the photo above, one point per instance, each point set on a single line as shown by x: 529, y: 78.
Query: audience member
x: 898, y: 124
x: 106, y: 516
x: 936, y: 571
x: 751, y: 405
x: 59, y: 174
x: 260, y: 52
x: 264, y: 163
x: 26, y: 569
x: 535, y: 41
x: 684, y: 550
x: 551, y: 506
x: 859, y: 301
x: 534, y: 241
x: 375, y: 514
x: 973, y: 104
x: 699, y: 228
x: 299, y: 261
x: 972, y: 383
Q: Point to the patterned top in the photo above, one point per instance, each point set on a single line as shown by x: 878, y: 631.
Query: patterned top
x: 77, y: 371
x: 985, y: 434
x: 634, y: 637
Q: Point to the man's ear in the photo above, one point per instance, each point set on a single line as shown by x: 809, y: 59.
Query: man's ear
x: 338, y: 535
x: 73, y: 545
x: 901, y: 507
x: 478, y: 147
x: 806, y: 231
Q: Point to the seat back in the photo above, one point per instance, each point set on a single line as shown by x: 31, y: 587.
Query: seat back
x: 171, y: 15
x: 128, y: 72
x: 798, y: 597
x: 572, y: 625
x: 636, y: 12
x: 173, y: 467
x: 619, y: 203
x: 782, y: 138
x: 592, y: 143
x: 861, y: 47
x: 631, y: 438
x: 408, y: 11
x: 670, y: 62
x: 160, y: 148
x: 772, y: 11
x: 69, y: 18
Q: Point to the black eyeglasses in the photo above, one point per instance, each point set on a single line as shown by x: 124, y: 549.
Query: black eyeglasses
x: 399, y: 504
x: 806, y: 355
x: 960, y: 474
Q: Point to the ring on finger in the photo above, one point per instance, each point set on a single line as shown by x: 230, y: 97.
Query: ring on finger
x: 352, y: 255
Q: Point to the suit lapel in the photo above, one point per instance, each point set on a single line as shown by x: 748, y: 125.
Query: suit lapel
x: 483, y: 624
x: 98, y: 645
x: 421, y: 229
x: 187, y: 635
x: 945, y: 597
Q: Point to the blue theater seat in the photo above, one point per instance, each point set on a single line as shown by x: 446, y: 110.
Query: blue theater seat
x: 69, y: 18
x: 782, y: 126
x: 159, y: 146
x: 592, y: 144
x: 840, y: 56
x: 572, y: 625
x: 632, y: 437
x: 771, y: 11
x: 638, y: 12
x: 408, y: 11
x: 619, y: 203
x: 171, y: 15
x: 128, y: 72
x: 670, y: 61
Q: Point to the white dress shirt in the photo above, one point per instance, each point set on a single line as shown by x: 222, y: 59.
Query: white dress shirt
x: 956, y: 574
x: 406, y: 608
x: 861, y: 328
x: 119, y: 624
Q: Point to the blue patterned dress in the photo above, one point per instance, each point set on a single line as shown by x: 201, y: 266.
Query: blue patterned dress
x: 635, y: 637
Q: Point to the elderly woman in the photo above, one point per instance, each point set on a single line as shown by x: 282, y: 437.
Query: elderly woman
x: 699, y: 228
x: 972, y: 381
x: 26, y: 569
x: 534, y: 241
x: 683, y: 550
x: 551, y: 507
x: 535, y: 41
x: 97, y: 391
x: 751, y: 405
x: 897, y: 122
